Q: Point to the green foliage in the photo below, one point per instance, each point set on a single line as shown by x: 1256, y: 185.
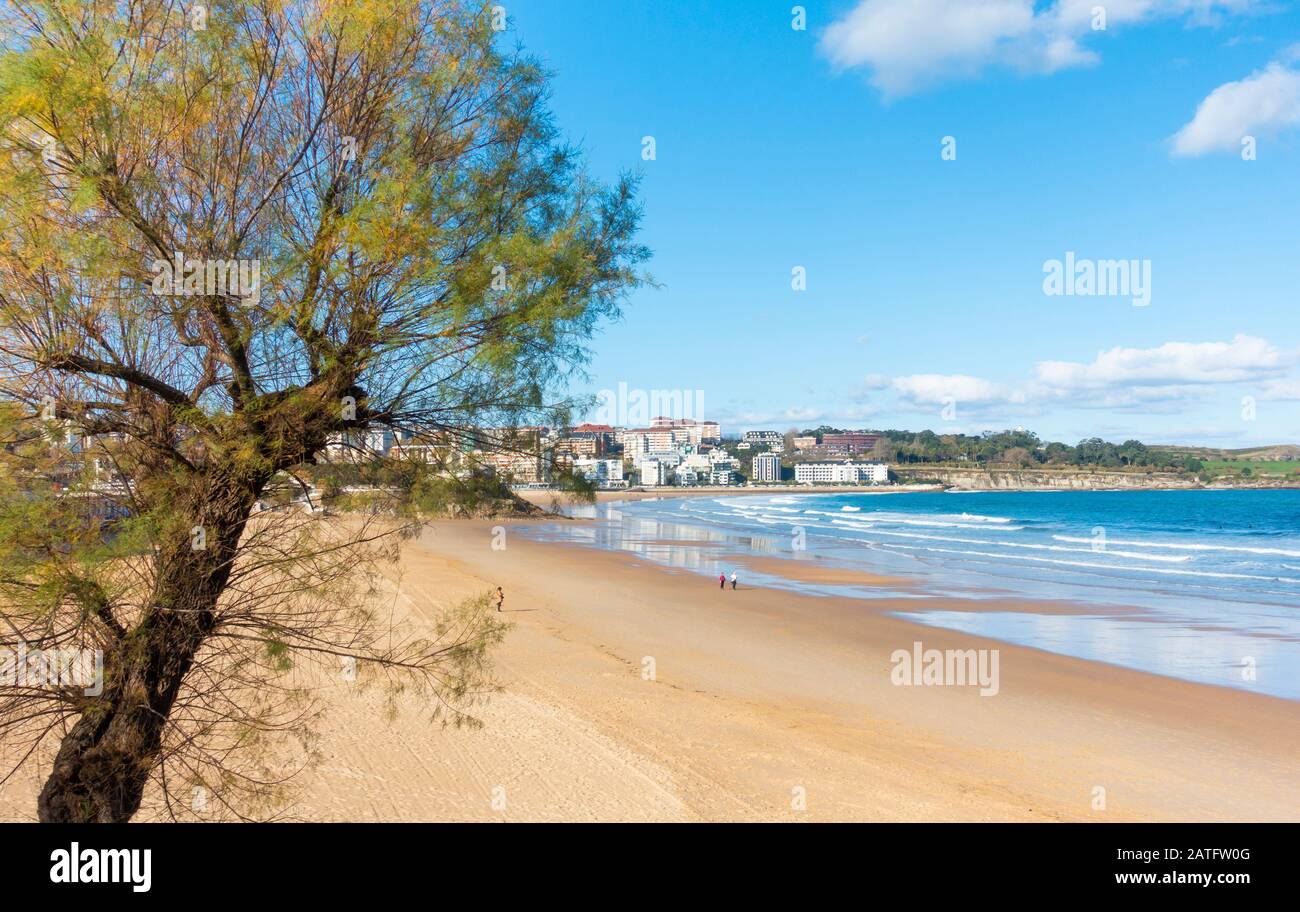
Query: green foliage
x: 577, y: 486
x: 474, y: 494
x: 1247, y: 467
x: 433, y: 260
x: 1021, y: 449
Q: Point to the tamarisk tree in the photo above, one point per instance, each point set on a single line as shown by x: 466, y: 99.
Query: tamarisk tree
x: 231, y: 234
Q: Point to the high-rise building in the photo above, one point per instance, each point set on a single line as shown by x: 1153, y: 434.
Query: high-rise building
x: 603, y: 472
x: 654, y: 472
x: 638, y: 441
x: 691, y: 431
x: 766, y: 467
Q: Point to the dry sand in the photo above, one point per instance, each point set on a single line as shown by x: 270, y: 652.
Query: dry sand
x: 764, y: 705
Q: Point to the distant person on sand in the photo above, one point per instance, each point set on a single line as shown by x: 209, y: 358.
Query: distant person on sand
x: 733, y: 580
x: 722, y: 581
x: 501, y: 597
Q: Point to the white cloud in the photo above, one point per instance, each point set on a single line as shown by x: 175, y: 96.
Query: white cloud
x: 1152, y: 380
x: 940, y: 389
x: 1150, y: 400
x: 1261, y: 104
x: 910, y: 44
x: 1281, y: 391
x: 1169, y: 365
x: 802, y: 413
x: 797, y: 415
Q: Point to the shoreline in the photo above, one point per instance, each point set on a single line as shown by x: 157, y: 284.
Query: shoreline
x: 818, y: 668
x: 546, y: 498
x: 1105, y: 607
x: 636, y: 692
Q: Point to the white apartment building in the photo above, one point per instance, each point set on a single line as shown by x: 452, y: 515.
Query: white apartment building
x: 765, y: 438
x: 431, y: 453
x: 654, y: 472
x: 845, y: 472
x: 696, y: 432
x: 765, y: 467
x: 721, y: 459
x: 602, y: 472
x: 359, y: 445
x: 638, y: 441
x: 721, y: 477
x: 697, y: 462
x: 517, y: 468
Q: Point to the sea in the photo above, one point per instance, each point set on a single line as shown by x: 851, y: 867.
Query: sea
x: 1201, y: 585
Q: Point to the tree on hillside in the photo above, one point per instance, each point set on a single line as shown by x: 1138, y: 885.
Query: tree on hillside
x: 229, y: 234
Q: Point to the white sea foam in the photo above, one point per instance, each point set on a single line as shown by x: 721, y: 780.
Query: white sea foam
x: 940, y: 521
x: 1163, y: 558
x: 1069, y: 563
x: 1185, y: 547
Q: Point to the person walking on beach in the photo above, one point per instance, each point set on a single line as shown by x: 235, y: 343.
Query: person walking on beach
x: 501, y: 597
x: 733, y: 580
x: 722, y: 581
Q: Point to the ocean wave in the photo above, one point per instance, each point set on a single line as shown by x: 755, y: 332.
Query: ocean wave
x: 1185, y: 546
x: 942, y: 520
x: 1163, y: 558
x: 1068, y: 563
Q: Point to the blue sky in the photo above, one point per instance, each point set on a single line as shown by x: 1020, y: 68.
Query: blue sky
x: 925, y: 306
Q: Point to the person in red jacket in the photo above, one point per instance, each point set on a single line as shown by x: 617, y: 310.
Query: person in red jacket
x: 722, y: 581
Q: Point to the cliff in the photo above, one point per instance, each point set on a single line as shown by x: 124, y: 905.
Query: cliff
x: 997, y: 479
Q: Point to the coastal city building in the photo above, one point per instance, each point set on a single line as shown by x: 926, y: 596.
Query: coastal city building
x: 359, y: 445
x: 846, y: 472
x: 517, y: 468
x: 849, y: 443
x: 604, y: 473
x: 574, y: 446
x: 721, y: 459
x: 696, y: 432
x: 653, y: 440
x: 764, y: 438
x: 654, y: 472
x: 765, y: 467
x: 681, y: 452
x: 698, y: 462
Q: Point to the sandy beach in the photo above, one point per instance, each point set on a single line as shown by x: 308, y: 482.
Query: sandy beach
x: 636, y: 693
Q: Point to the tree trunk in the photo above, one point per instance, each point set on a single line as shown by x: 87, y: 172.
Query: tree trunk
x: 105, y: 760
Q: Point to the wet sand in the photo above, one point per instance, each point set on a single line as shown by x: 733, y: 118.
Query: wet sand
x: 634, y: 692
